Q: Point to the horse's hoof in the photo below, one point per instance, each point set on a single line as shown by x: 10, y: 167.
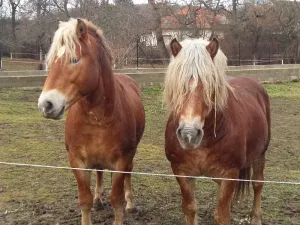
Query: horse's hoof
x: 98, y: 205
x: 131, y: 210
x: 120, y: 223
x: 255, y: 221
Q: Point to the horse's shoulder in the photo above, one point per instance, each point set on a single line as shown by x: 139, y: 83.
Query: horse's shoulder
x: 248, y: 95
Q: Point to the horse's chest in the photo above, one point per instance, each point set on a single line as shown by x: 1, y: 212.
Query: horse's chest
x: 201, y: 162
x: 99, y: 147
x: 212, y: 168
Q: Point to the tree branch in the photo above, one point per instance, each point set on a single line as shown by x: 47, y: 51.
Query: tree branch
x: 297, y: 4
x: 64, y: 9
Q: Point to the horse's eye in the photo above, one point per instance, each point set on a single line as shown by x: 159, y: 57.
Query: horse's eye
x: 74, y: 60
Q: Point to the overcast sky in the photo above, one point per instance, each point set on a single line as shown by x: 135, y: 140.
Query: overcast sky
x: 179, y: 1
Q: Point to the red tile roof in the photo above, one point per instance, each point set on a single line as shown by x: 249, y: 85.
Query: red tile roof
x: 180, y: 20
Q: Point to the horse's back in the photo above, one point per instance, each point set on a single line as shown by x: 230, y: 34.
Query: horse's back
x: 127, y: 81
x: 247, y: 84
x: 251, y: 104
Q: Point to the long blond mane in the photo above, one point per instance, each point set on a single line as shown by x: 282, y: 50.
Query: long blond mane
x: 65, y: 40
x: 193, y: 62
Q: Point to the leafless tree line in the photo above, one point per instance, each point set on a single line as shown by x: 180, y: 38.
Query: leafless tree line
x: 28, y: 26
x: 250, y: 29
x: 253, y: 29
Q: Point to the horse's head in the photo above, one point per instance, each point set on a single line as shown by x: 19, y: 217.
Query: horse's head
x: 73, y: 68
x: 193, y: 87
x: 191, y: 120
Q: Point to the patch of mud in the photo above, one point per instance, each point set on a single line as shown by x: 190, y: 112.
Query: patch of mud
x: 65, y: 211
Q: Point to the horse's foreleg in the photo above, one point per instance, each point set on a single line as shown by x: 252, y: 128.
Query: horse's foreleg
x: 85, y: 195
x: 98, y: 204
x: 128, y: 192
x: 258, y: 174
x: 187, y: 187
x: 223, y: 210
x: 117, y: 194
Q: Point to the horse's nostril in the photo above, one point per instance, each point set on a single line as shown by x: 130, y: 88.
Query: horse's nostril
x: 199, y: 132
x: 179, y: 130
x: 48, y: 106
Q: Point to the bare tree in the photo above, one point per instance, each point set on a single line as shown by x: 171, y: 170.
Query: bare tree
x: 158, y: 30
x: 199, y: 17
x: 250, y: 30
x: 215, y: 8
x: 288, y: 19
x: 252, y: 27
x: 62, y: 5
x: 41, y: 34
x: 14, y: 4
x: 38, y: 19
x: 122, y: 24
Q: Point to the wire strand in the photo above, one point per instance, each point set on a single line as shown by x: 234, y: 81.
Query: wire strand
x: 149, y: 174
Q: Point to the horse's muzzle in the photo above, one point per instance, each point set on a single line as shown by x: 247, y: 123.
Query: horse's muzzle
x: 189, y: 135
x: 52, y: 104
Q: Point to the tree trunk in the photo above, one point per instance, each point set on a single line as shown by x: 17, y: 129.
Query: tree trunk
x: 13, y: 27
x: 235, y: 35
x: 255, y: 48
x: 297, y: 52
x: 234, y: 7
x: 38, y: 16
x: 158, y: 31
x: 14, y: 5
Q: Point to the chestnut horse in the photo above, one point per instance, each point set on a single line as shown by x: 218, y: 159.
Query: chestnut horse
x: 106, y: 118
x: 218, y: 127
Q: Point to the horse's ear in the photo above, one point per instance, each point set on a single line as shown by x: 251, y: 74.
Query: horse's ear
x: 175, y: 46
x: 81, y: 29
x: 213, y: 47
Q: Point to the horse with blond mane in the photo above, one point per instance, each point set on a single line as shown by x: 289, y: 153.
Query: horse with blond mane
x: 218, y: 127
x: 106, y: 118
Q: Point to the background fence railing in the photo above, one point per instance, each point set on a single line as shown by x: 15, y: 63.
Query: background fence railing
x: 31, y: 61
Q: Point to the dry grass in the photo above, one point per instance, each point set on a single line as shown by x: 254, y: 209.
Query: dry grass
x: 19, y: 64
x: 45, y: 196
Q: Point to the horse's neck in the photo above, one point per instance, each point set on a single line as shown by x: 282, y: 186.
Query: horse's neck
x: 102, y: 100
x: 214, y: 127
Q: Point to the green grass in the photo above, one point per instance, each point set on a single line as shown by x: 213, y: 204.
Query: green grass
x: 28, y: 138
x: 286, y: 90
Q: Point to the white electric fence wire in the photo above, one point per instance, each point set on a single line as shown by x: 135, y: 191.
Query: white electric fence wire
x: 150, y: 174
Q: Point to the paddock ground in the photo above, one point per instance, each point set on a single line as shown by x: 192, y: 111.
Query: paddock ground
x: 19, y: 64
x: 47, y: 196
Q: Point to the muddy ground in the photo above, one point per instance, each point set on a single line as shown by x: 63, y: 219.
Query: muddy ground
x: 47, y: 196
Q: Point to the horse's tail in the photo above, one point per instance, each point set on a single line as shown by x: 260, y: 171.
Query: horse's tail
x: 268, y: 115
x: 242, y: 187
